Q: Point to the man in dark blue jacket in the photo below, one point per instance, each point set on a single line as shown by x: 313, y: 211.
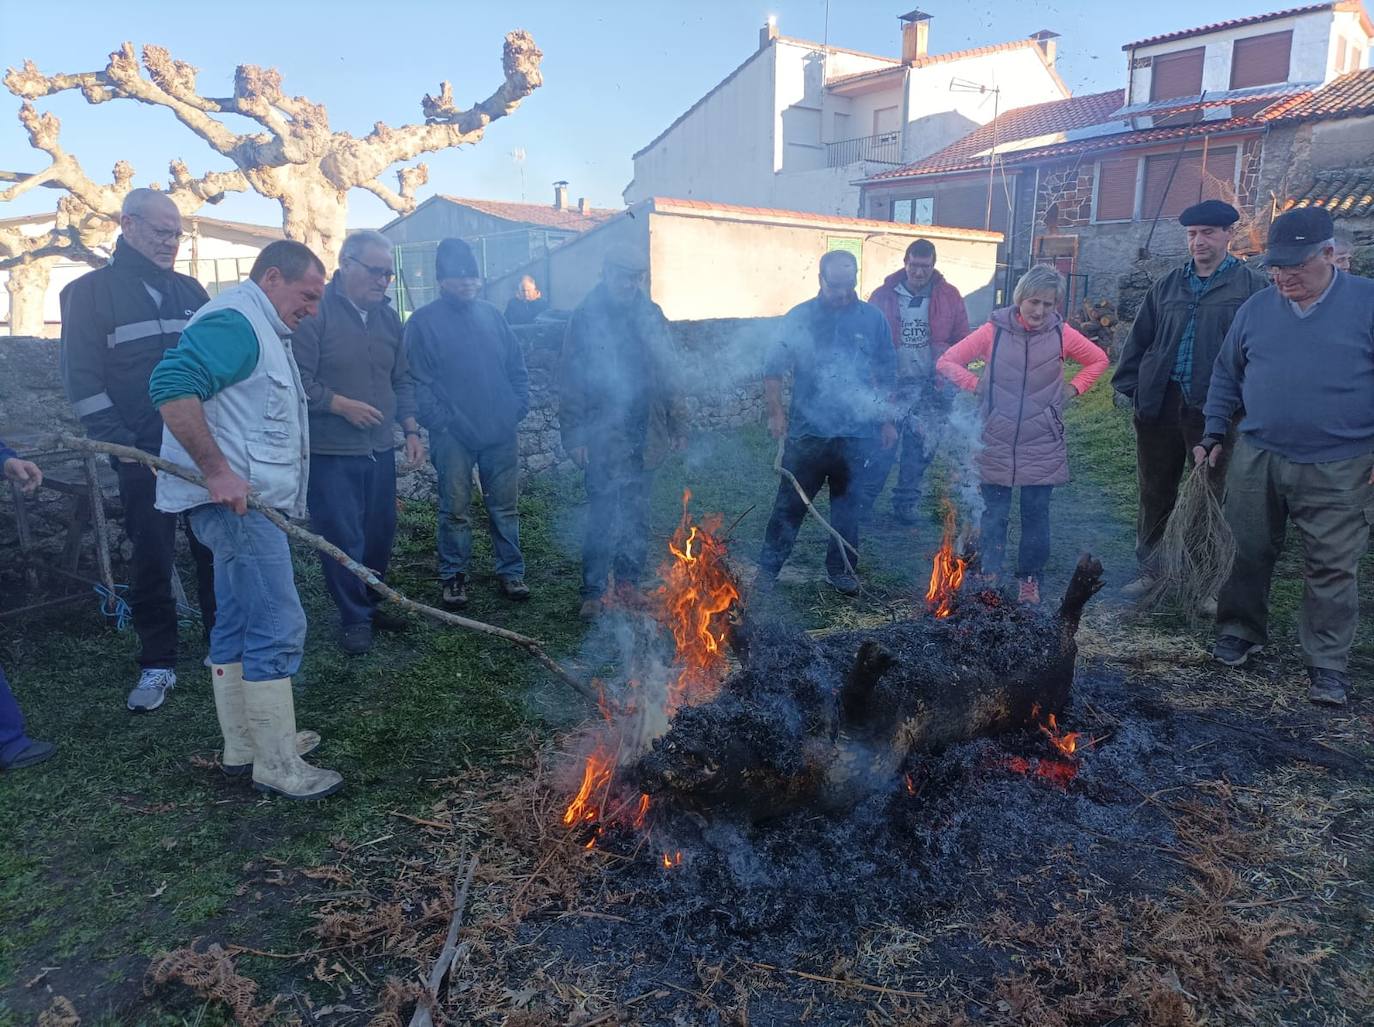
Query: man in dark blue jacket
x: 117, y: 321
x: 472, y: 392
x: 839, y: 353
x: 17, y: 749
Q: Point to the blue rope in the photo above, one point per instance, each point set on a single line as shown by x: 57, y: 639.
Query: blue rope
x: 113, y: 606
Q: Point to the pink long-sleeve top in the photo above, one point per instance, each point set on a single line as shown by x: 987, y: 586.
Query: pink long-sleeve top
x: 978, y: 346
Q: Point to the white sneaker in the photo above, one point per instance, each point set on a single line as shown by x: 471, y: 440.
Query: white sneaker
x: 151, y: 690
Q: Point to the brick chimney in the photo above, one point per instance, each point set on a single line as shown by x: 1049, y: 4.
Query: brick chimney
x: 1045, y: 39
x: 915, y: 35
x: 583, y: 207
x: 560, y: 196
x: 769, y: 32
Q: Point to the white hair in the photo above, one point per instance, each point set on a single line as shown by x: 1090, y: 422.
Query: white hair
x: 360, y: 240
x: 1040, y: 278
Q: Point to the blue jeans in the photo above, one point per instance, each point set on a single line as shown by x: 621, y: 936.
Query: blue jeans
x: 259, y: 620
x: 1035, y: 529
x: 12, y: 737
x: 499, y: 467
x: 353, y: 504
x: 911, y: 471
x: 617, y: 536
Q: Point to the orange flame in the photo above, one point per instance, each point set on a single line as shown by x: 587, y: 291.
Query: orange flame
x: 1066, y: 743
x: 947, y: 573
x: 596, y: 778
x: 697, y: 592
x: 670, y: 861
x: 642, y: 812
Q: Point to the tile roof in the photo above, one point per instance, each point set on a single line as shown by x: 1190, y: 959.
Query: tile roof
x: 1343, y: 193
x: 1351, y: 95
x: 1233, y: 23
x: 1022, y: 123
x: 545, y: 215
x: 671, y: 204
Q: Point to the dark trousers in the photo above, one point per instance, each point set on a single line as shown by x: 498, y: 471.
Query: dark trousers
x: 617, y: 537
x: 353, y: 504
x: 153, y: 535
x: 1035, y: 529
x: 1163, y: 450
x: 912, y: 464
x: 815, y: 462
x: 12, y: 738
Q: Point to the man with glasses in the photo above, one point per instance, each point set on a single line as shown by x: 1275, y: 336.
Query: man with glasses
x: 117, y: 321
x: 838, y: 351
x: 357, y: 382
x: 472, y: 391
x: 620, y: 412
x: 1298, y: 363
x: 1165, y: 367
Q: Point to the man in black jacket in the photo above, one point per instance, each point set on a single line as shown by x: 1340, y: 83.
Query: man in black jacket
x: 353, y: 367
x: 472, y: 391
x: 620, y: 412
x: 1167, y: 363
x: 117, y: 321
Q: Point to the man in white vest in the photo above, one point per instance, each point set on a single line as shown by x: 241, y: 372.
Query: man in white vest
x: 233, y: 405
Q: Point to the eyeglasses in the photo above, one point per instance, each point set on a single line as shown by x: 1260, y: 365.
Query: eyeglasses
x: 160, y: 234
x: 1292, y: 269
x: 386, y: 274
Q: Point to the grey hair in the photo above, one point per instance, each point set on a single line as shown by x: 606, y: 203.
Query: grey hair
x: 137, y: 201
x: 360, y: 240
x: 1343, y: 243
x: 1040, y: 278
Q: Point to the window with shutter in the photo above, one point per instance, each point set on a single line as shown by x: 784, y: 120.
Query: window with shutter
x: 962, y: 206
x: 1176, y: 74
x: 1173, y: 183
x: 1116, y: 177
x: 1261, y: 60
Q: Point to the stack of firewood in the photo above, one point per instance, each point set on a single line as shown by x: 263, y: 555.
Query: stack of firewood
x: 1097, y: 319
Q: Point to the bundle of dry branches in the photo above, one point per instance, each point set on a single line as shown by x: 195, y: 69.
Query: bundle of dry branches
x: 1196, y: 554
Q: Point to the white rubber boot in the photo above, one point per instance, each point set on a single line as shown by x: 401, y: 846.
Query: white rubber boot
x: 237, y: 757
x: 277, y: 766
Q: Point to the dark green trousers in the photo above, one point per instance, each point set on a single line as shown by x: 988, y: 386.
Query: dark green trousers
x: 1331, y: 505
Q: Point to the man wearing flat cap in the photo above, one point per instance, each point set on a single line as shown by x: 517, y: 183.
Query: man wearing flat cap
x: 1298, y: 364
x: 620, y: 412
x: 1167, y: 362
x: 472, y: 391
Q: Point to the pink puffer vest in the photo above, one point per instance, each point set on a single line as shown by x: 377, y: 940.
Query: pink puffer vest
x: 1021, y: 395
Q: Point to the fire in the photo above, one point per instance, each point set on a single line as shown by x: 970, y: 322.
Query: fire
x: 1066, y: 743
x: 596, y: 780
x: 947, y: 574
x: 1058, y: 772
x: 670, y: 861
x: 697, y: 592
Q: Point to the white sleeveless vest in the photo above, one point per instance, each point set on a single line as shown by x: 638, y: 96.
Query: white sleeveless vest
x: 260, y: 423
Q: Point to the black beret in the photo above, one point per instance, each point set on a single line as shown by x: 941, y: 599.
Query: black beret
x: 454, y: 259
x: 1210, y: 212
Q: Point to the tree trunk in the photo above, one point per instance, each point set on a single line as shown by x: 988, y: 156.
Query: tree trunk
x: 27, y: 286
x: 826, y: 722
x: 315, y: 213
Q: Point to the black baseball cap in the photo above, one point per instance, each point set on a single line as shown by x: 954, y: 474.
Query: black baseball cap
x: 1292, y: 235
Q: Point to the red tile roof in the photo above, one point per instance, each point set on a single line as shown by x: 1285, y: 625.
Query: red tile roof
x: 1022, y: 123
x: 569, y: 219
x: 1235, y: 23
x: 1349, y: 96
x: 1343, y: 193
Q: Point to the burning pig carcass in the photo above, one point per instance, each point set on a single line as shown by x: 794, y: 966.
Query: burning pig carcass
x: 828, y: 721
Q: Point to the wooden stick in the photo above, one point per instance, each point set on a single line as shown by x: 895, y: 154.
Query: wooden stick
x: 294, y: 531
x: 604, y: 1017
x: 422, y: 1016
x: 783, y: 472
x: 822, y: 979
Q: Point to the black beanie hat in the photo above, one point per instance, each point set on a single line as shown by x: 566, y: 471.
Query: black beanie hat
x: 454, y: 259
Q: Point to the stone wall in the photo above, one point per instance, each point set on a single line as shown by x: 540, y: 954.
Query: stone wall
x: 722, y: 366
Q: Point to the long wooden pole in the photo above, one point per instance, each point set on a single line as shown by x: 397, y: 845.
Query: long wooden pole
x: 294, y: 531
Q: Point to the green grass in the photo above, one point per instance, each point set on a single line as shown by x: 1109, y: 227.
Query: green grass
x: 122, y: 846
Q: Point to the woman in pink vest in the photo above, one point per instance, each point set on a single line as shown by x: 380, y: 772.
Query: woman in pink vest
x: 1021, y: 395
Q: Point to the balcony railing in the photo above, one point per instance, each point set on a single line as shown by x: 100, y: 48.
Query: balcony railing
x: 885, y: 148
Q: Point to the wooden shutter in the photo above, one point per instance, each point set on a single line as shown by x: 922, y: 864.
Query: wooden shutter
x: 1176, y: 74
x: 1260, y: 60
x: 962, y: 207
x: 1116, y: 188
x: 1183, y: 188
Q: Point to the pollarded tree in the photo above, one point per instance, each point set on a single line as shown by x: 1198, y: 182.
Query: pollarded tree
x: 86, y: 219
x: 297, y: 159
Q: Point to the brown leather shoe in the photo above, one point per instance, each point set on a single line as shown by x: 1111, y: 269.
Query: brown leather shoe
x: 514, y: 589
